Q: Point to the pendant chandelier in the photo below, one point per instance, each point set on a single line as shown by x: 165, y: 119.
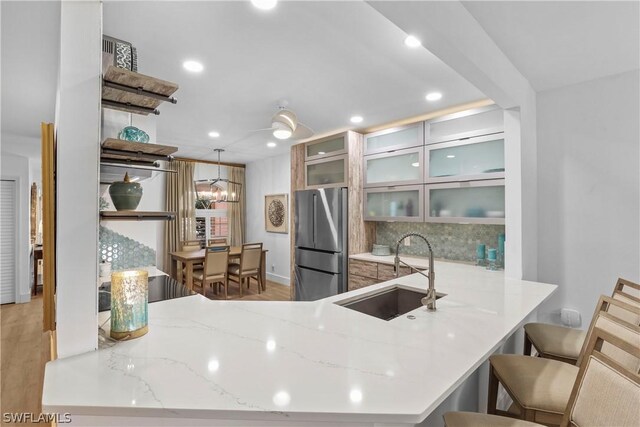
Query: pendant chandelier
x: 220, y: 195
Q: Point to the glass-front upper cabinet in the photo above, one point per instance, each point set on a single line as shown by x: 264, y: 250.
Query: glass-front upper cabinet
x: 394, y: 139
x: 470, y: 159
x: 396, y: 168
x: 465, y: 124
x: 326, y: 147
x: 480, y: 202
x: 331, y: 172
x: 402, y: 203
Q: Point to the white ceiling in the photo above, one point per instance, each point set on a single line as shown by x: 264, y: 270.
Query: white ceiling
x: 558, y: 43
x: 329, y: 60
x: 30, y: 49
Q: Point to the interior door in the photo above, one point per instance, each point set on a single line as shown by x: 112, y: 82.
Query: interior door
x: 8, y: 241
x: 304, y: 218
x: 328, y: 219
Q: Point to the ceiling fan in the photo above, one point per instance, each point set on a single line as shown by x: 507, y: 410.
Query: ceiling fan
x: 285, y: 125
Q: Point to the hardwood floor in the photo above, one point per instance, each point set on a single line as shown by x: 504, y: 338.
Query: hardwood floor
x: 274, y: 292
x: 21, y: 357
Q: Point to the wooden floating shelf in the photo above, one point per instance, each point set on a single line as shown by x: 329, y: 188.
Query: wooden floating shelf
x: 136, y: 216
x: 119, y: 149
x: 133, y: 92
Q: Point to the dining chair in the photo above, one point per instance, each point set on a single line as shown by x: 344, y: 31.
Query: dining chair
x: 249, y: 266
x: 604, y: 392
x: 217, y: 241
x: 563, y: 343
x: 215, y: 270
x: 540, y: 388
x: 190, y: 246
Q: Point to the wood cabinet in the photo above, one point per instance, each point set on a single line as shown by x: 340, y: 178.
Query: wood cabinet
x: 366, y: 273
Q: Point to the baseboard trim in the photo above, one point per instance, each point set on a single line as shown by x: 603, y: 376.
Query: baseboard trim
x: 278, y: 279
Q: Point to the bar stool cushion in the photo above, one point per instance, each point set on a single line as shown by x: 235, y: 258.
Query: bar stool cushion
x: 536, y: 383
x: 556, y: 340
x: 473, y: 419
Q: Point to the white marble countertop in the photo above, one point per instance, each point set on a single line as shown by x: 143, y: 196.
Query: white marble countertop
x: 414, y: 261
x: 298, y: 361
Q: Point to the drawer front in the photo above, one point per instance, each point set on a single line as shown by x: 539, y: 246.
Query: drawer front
x: 363, y: 268
x: 357, y: 282
x: 385, y: 272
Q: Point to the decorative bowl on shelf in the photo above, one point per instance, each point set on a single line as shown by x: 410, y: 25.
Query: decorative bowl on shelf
x: 380, y: 250
x: 125, y: 194
x: 133, y: 134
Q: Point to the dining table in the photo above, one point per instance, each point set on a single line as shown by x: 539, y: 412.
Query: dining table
x: 187, y: 259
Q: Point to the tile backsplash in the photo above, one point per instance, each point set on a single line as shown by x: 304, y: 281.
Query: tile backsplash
x: 449, y: 241
x: 123, y: 252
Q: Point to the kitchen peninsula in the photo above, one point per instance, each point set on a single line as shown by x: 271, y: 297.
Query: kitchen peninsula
x: 296, y: 363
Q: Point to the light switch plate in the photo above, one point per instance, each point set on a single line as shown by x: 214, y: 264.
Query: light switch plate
x: 570, y: 317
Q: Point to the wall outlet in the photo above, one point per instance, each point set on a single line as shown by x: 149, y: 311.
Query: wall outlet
x: 407, y: 241
x: 273, y: 267
x: 570, y: 317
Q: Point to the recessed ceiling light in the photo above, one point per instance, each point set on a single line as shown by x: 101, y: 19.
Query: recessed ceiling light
x: 412, y: 41
x: 264, y: 4
x: 433, y: 96
x: 193, y: 66
x: 356, y: 119
x: 451, y: 156
x: 271, y: 144
x: 213, y: 134
x: 282, y: 133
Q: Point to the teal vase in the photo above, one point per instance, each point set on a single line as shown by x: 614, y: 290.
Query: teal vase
x: 125, y: 195
x: 132, y: 133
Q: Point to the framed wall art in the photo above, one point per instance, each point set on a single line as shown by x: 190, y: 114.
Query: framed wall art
x: 276, y: 213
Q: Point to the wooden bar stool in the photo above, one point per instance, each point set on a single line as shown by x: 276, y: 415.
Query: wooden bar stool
x: 589, y: 403
x: 563, y: 343
x: 540, y: 388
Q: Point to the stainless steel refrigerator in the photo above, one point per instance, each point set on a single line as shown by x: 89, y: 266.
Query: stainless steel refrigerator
x: 321, y: 247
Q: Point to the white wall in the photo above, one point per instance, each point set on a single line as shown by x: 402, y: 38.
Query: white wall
x: 78, y: 137
x: 269, y: 176
x: 17, y: 167
x: 588, y: 190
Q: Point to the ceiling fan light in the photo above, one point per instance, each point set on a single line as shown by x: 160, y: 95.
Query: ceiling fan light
x: 282, y: 133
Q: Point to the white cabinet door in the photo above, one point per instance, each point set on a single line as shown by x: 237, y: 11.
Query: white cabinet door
x: 477, y: 202
x: 476, y: 158
x: 394, y: 139
x: 8, y: 241
x: 401, y: 203
x: 329, y: 172
x: 465, y: 124
x: 402, y: 167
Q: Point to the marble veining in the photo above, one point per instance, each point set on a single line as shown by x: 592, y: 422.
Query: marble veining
x: 297, y: 362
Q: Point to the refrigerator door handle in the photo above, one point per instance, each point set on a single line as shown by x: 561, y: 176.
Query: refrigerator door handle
x: 315, y: 223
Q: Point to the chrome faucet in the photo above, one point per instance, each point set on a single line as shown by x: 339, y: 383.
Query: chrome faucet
x: 430, y: 299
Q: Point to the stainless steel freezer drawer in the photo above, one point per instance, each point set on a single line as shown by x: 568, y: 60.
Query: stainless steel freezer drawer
x: 324, y: 261
x: 312, y: 285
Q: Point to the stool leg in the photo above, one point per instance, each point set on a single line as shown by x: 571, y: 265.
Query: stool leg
x: 492, y: 401
x: 527, y: 345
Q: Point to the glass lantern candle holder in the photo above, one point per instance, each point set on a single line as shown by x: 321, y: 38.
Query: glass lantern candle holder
x: 129, y: 304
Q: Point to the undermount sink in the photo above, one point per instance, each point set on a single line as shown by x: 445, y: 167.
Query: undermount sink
x: 387, y: 303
